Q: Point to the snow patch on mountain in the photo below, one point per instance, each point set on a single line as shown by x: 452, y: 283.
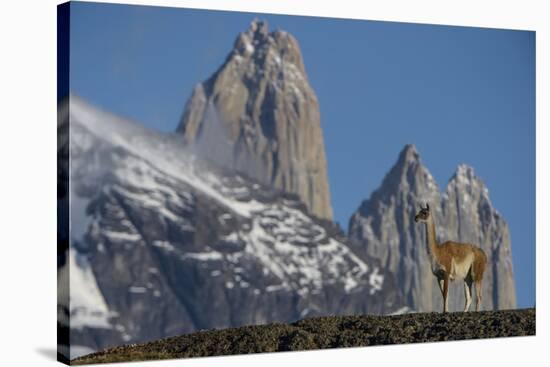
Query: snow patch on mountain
x: 289, y: 244
x: 87, y: 306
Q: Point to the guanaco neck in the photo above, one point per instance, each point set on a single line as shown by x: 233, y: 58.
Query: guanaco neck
x: 430, y: 237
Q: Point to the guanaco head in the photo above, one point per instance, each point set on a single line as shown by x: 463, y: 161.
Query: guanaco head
x: 423, y: 214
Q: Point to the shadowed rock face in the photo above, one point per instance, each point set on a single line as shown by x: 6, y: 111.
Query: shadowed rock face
x: 383, y: 227
x: 258, y: 114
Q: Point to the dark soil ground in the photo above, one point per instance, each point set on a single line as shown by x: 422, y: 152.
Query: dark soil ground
x: 327, y: 332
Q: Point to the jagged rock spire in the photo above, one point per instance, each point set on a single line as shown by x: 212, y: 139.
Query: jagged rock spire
x: 260, y: 102
x: 469, y: 216
x: 408, y: 176
x: 383, y: 228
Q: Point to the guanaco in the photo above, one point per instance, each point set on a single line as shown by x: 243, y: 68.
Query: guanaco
x: 452, y: 260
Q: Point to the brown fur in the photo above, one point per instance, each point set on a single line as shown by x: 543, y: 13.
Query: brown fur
x: 479, y: 263
x: 452, y: 250
x: 459, y: 251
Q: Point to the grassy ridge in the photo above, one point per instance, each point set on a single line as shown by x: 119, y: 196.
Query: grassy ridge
x: 327, y: 332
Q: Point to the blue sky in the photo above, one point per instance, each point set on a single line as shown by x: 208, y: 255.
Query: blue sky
x: 460, y: 94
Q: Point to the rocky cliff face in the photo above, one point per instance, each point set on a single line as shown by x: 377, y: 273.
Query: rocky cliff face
x: 469, y: 216
x: 383, y: 227
x: 258, y: 114
x: 162, y: 244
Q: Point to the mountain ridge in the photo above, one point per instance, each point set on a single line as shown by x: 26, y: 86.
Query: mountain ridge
x: 181, y: 245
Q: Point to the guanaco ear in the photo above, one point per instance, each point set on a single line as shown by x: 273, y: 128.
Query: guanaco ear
x: 428, y: 206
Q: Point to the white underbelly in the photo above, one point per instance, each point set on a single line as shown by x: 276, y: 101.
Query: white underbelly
x: 459, y: 270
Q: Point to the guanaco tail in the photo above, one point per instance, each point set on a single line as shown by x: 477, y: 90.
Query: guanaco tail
x: 452, y: 260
